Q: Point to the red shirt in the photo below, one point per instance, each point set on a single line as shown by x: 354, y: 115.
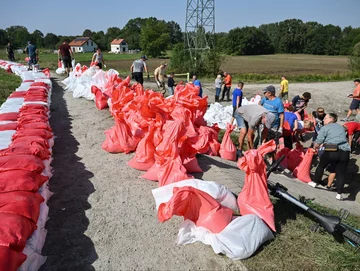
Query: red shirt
x: 352, y: 127
x: 64, y: 49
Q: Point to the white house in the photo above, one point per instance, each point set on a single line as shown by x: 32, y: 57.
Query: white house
x: 119, y: 46
x: 82, y: 45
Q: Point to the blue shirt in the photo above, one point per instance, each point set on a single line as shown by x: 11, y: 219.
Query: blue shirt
x: 236, y: 93
x: 274, y: 106
x: 198, y: 84
x: 31, y: 50
x: 290, y: 118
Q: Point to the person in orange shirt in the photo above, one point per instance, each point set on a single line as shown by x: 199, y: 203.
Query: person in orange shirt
x: 355, y: 103
x: 227, y: 87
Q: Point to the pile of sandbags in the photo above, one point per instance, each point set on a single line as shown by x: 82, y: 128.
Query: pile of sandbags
x: 26, y: 141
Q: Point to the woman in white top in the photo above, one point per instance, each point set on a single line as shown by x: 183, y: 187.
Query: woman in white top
x: 99, y: 58
x: 218, y: 83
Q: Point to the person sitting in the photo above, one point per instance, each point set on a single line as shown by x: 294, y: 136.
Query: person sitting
x: 249, y: 117
x: 332, y: 137
x: 318, y: 117
x: 300, y: 103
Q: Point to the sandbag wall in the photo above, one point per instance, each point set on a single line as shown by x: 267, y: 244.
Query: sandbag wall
x: 26, y: 141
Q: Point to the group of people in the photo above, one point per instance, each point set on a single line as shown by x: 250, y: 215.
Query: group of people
x: 276, y: 117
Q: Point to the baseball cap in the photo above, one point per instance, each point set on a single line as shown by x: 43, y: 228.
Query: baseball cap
x: 270, y: 89
x: 269, y: 119
x: 144, y: 57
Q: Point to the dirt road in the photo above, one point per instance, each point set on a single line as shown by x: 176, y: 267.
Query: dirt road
x: 102, y: 215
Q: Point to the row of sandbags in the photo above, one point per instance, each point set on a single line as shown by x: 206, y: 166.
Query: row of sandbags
x: 166, y: 134
x: 26, y: 141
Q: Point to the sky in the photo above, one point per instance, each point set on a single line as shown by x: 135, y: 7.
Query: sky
x: 71, y: 18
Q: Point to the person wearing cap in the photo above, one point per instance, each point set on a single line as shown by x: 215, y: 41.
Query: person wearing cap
x: 275, y: 106
x: 300, y: 103
x: 355, y: 102
x: 160, y: 77
x: 249, y: 117
x: 137, y: 69
x: 284, y: 89
x: 32, y: 53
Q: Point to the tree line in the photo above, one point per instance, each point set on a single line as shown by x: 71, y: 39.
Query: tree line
x: 155, y: 36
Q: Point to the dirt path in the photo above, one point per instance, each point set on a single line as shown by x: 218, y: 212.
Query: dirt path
x: 102, y: 215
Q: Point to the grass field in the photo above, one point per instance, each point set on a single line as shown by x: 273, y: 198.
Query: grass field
x: 297, y: 68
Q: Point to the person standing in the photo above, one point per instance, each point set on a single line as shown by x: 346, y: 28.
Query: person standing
x: 66, y: 56
x: 137, y: 69
x: 98, y: 57
x: 160, y: 77
x: 332, y: 137
x: 10, y: 52
x: 237, y: 96
x: 32, y: 53
x: 171, y: 84
x: 355, y: 103
x: 218, y: 83
x: 197, y: 83
x: 284, y: 89
x: 227, y: 87
x: 275, y: 106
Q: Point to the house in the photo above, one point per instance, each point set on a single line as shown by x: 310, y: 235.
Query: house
x: 82, y: 45
x: 119, y: 46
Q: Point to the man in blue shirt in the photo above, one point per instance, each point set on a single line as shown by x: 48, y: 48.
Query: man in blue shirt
x: 197, y: 83
x: 32, y: 53
x: 275, y: 106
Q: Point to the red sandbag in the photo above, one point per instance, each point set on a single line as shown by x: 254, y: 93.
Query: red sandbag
x: 40, y: 84
x: 151, y: 174
x: 25, y: 162
x: 197, y: 206
x: 32, y: 132
x: 191, y: 165
x: 32, y: 139
x: 15, y: 230
x: 35, y: 125
x: 100, y: 98
x: 17, y: 94
x: 10, y: 260
x: 24, y: 203
x: 34, y: 107
x: 21, y: 180
x: 254, y: 196
x: 8, y: 126
x: 295, y: 157
x: 284, y: 151
x: 32, y: 148
x: 302, y: 171
x: 227, y: 147
x: 111, y: 143
x: 12, y: 116
x: 33, y: 111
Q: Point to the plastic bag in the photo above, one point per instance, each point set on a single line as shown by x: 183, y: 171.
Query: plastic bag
x: 295, y: 156
x: 239, y: 240
x: 8, y: 126
x: 227, y: 147
x: 100, y: 98
x: 9, y: 116
x: 219, y: 192
x: 33, y: 261
x: 25, y: 162
x: 254, y: 196
x: 197, y: 206
x: 22, y: 180
x: 302, y: 171
x: 10, y: 259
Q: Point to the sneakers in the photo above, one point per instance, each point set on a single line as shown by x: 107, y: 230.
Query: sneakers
x: 330, y: 188
x: 345, y: 119
x: 339, y: 197
x: 312, y: 184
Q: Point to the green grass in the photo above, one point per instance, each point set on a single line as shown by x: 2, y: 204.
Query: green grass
x: 8, y: 83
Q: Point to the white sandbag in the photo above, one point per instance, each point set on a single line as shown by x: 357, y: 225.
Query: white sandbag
x: 99, y: 79
x: 239, y: 240
x: 6, y: 122
x: 37, y: 102
x: 60, y: 71
x: 45, y: 193
x: 6, y: 138
x: 45, y: 80
x: 37, y: 240
x: 219, y: 192
x: 27, y: 75
x: 73, y: 63
x: 24, y: 86
x: 33, y: 261
x: 43, y: 216
x: 12, y: 101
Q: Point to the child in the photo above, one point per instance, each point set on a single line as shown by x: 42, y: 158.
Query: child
x: 290, y: 125
x: 171, y: 84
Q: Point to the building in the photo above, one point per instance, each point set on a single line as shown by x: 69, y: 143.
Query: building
x: 119, y: 46
x: 83, y: 45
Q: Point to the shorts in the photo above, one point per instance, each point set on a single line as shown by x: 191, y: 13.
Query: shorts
x: 99, y: 65
x: 138, y: 76
x: 32, y: 60
x: 241, y: 123
x: 284, y: 96
x: 355, y: 104
x: 67, y: 61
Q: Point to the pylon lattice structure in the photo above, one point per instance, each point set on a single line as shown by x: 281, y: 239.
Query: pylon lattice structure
x: 199, y: 27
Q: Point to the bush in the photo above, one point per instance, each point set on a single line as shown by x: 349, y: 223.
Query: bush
x: 354, y: 59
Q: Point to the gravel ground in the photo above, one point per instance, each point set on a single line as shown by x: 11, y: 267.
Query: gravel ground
x: 102, y: 215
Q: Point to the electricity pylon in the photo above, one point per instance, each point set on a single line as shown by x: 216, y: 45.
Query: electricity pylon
x: 199, y: 27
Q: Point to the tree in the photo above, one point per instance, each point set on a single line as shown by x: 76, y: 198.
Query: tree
x: 3, y: 37
x: 38, y: 38
x: 175, y: 33
x: 51, y: 40
x: 354, y: 59
x: 87, y: 33
x: 18, y: 35
x: 111, y: 34
x: 154, y: 37
x: 220, y: 41
x: 100, y: 39
x: 291, y: 35
x: 131, y: 32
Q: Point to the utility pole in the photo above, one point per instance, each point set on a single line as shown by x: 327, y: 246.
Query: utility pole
x: 199, y: 28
